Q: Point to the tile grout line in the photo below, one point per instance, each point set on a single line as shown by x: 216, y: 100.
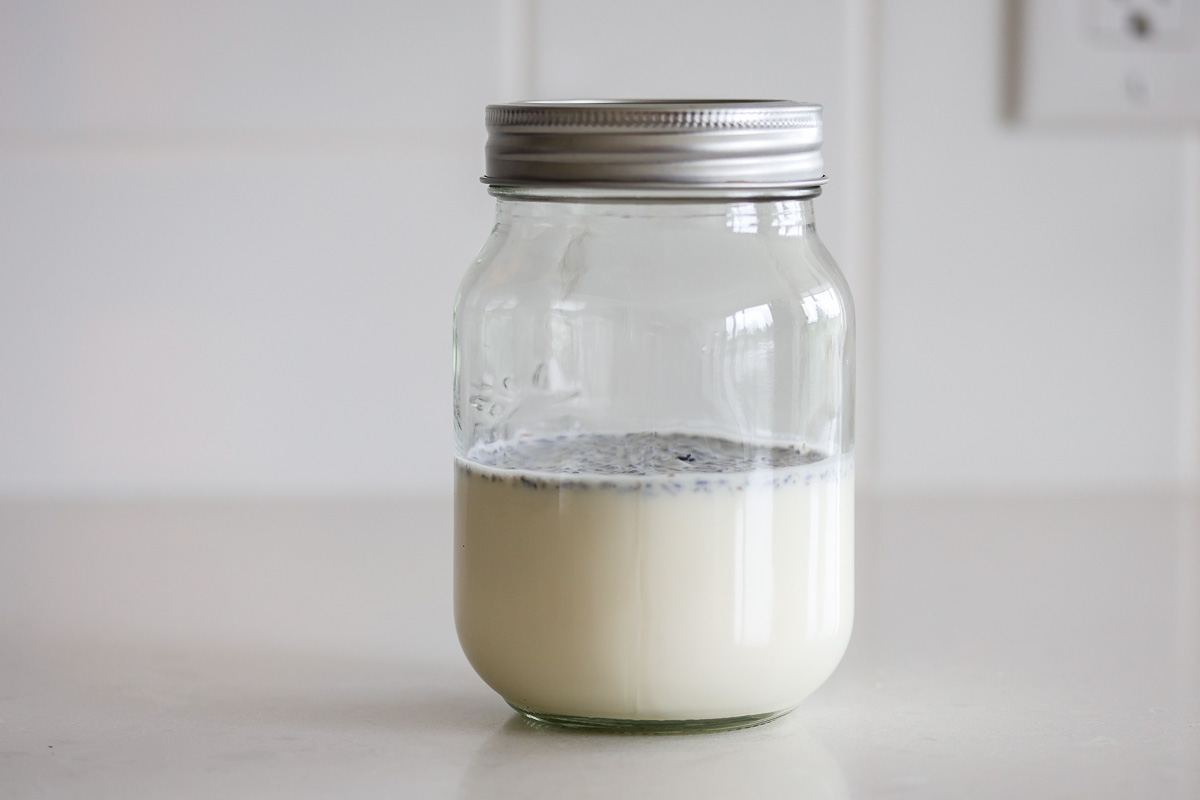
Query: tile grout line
x: 863, y: 147
x: 518, y: 65
x: 173, y: 142
x: 1189, y: 363
x: 862, y: 249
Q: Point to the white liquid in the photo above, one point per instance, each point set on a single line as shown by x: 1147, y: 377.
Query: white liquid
x: 655, y: 597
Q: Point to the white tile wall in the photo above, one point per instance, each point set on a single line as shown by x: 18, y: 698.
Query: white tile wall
x: 230, y: 234
x: 1028, y: 279
x: 84, y: 67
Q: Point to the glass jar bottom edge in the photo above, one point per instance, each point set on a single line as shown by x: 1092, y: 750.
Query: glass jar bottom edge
x: 648, y: 726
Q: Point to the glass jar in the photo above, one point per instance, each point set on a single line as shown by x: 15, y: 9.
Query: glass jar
x: 654, y: 417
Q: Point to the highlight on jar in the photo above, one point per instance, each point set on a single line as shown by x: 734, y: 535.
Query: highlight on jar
x: 654, y: 417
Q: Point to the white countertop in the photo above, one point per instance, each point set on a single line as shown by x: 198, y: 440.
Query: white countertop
x: 1003, y: 647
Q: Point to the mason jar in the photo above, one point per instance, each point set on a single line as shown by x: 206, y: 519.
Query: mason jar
x: 654, y: 417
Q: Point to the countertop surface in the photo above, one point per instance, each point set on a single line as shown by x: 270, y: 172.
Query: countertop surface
x: 1005, y: 646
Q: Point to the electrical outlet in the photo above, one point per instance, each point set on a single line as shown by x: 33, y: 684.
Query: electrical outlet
x: 1106, y: 60
x: 1138, y: 24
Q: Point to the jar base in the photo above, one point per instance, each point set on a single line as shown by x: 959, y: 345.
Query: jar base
x: 649, y: 726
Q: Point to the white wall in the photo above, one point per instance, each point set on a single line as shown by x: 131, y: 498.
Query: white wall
x: 230, y: 234
x: 1030, y: 281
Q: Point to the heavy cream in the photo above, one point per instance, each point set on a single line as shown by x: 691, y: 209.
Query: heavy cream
x: 653, y: 577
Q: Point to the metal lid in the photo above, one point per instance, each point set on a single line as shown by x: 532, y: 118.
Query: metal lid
x: 712, y: 145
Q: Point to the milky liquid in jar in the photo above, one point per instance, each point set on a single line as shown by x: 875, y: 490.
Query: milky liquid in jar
x: 650, y: 577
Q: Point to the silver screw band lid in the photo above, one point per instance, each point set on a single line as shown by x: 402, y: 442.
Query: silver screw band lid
x: 655, y: 144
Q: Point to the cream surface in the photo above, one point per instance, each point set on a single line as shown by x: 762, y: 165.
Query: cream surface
x: 646, y: 594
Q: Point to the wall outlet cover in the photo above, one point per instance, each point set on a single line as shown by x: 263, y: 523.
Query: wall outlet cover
x: 1106, y: 60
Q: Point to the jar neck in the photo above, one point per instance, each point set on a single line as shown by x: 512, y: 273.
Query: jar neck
x: 776, y: 216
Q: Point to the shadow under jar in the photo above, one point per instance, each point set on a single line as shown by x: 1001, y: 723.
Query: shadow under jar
x: 653, y: 407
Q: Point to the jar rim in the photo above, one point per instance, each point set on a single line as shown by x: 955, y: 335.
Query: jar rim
x: 609, y: 193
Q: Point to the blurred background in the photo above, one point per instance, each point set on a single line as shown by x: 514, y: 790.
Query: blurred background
x: 231, y: 232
